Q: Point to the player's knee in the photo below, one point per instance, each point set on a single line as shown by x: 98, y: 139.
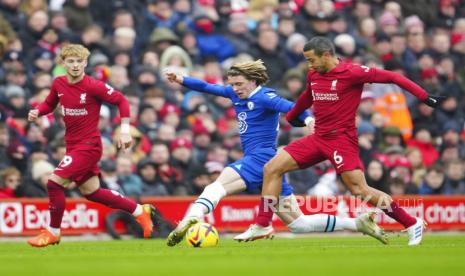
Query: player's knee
x: 270, y: 168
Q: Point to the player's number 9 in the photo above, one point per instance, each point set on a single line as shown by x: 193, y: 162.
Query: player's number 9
x: 66, y: 161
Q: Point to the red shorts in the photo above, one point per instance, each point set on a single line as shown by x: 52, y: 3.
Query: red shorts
x: 342, y: 151
x: 80, y: 162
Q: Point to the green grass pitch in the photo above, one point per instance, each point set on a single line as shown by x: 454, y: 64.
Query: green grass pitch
x: 314, y: 255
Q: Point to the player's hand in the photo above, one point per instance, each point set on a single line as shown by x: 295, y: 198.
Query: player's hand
x: 172, y: 76
x: 310, y: 123
x: 296, y: 122
x: 33, y: 115
x: 434, y: 101
x: 125, y: 141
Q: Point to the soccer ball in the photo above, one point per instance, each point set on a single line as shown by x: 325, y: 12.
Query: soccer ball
x: 202, y: 235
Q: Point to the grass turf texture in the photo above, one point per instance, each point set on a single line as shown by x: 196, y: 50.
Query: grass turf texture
x: 314, y: 255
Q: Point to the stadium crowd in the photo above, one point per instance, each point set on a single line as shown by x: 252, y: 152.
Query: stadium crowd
x: 183, y: 139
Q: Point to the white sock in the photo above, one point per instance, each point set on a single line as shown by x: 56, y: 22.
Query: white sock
x: 55, y: 231
x: 321, y: 223
x: 345, y: 224
x: 207, y: 201
x: 138, y: 211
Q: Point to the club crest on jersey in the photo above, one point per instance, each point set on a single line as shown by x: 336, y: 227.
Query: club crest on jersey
x: 250, y: 105
x: 333, y: 85
x: 83, y: 98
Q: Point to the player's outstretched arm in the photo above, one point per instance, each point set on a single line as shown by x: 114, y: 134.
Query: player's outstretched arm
x: 198, y: 85
x: 385, y: 76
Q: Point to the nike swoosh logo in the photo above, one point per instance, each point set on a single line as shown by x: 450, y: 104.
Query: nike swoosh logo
x: 433, y: 100
x: 59, y: 95
x: 312, y: 83
x: 340, y: 166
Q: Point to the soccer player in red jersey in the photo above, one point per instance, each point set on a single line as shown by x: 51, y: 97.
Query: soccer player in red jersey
x: 334, y: 89
x: 80, y: 98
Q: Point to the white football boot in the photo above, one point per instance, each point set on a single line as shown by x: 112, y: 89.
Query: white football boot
x: 366, y: 224
x: 256, y: 232
x: 415, y: 232
x: 179, y: 232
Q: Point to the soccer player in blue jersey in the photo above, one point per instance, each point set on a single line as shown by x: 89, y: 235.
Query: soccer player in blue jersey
x: 257, y: 108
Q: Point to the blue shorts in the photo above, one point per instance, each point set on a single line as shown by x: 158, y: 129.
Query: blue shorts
x: 250, y: 168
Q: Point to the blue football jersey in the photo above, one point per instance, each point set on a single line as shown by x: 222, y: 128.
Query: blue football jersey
x: 257, y: 116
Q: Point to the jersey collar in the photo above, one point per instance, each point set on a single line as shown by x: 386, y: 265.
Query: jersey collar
x: 254, y: 91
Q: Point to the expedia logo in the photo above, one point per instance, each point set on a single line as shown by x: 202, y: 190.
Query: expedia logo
x: 11, y: 218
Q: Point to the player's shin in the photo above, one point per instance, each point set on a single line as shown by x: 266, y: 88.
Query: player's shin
x: 207, y: 201
x: 266, y: 210
x: 321, y: 223
x: 57, y: 201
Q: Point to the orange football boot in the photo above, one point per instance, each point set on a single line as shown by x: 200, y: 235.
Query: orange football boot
x: 145, y: 219
x: 45, y: 238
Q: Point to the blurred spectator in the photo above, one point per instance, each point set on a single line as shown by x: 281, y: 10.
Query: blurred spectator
x: 109, y: 176
x: 131, y: 183
x: 391, y: 136
x: 418, y: 168
x: 267, y: 49
x: 41, y: 170
x: 78, y: 14
x: 366, y: 141
x: 147, y: 171
x: 433, y: 182
x: 214, y: 169
x: 423, y: 141
x: 455, y: 178
x: 10, y: 179
x: 200, y: 179
x: 376, y: 176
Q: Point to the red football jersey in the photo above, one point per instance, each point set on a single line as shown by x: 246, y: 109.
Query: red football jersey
x: 80, y: 105
x: 335, y: 95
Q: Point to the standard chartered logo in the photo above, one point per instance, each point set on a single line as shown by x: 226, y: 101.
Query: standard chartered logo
x: 242, y: 124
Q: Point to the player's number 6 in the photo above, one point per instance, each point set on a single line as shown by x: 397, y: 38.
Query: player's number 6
x: 337, y: 158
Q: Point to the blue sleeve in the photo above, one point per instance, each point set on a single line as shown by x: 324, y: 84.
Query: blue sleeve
x: 202, y: 86
x: 275, y: 102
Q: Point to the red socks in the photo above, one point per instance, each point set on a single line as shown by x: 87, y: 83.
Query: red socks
x: 113, y: 200
x: 396, y: 212
x: 56, y: 203
x: 265, y: 211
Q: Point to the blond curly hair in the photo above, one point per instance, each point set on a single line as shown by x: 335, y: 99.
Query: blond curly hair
x: 75, y: 50
x: 251, y: 70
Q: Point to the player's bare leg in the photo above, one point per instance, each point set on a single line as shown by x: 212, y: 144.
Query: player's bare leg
x: 272, y: 185
x: 229, y: 182
x: 356, y: 183
x: 142, y: 213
